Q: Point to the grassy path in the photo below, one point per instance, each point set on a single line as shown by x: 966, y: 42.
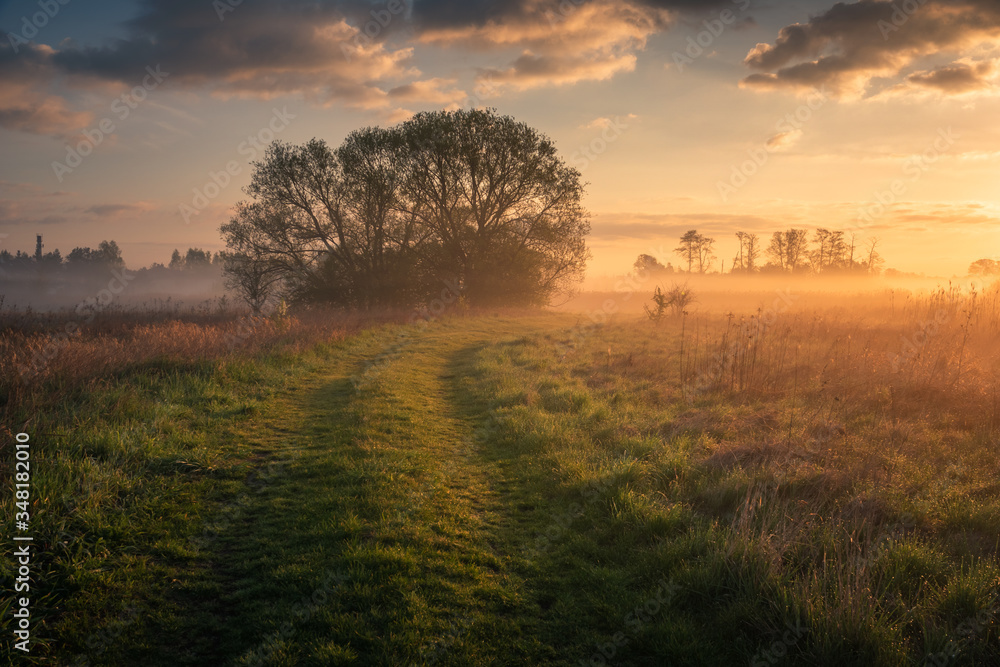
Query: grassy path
x: 377, y: 531
x: 475, y: 493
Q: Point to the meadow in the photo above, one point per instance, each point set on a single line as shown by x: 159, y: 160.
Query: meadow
x: 771, y: 477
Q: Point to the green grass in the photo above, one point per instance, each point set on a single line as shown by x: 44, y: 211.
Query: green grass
x: 480, y: 497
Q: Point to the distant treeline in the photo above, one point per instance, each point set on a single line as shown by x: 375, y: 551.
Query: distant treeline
x: 93, y: 279
x: 89, y: 261
x: 790, y: 251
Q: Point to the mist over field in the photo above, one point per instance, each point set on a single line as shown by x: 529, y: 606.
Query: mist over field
x: 527, y: 332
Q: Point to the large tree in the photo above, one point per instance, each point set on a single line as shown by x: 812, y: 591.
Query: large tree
x: 501, y: 208
x: 467, y: 199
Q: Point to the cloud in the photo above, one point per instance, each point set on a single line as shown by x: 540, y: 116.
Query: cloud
x: 353, y: 53
x: 784, y: 140
x: 258, y: 50
x: 435, y: 91
x: 29, y: 204
x: 27, y: 103
x: 852, y: 48
x: 603, y: 122
x: 560, y: 44
x: 119, y: 210
x: 667, y: 227
x: 957, y: 78
x: 431, y: 15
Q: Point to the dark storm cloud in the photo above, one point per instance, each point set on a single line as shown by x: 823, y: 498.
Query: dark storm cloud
x: 255, y: 49
x: 850, y: 44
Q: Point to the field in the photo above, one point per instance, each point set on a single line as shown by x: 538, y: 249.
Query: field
x: 770, y: 478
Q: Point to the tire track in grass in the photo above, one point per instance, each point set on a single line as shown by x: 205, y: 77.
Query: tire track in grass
x: 385, y: 489
x: 462, y: 595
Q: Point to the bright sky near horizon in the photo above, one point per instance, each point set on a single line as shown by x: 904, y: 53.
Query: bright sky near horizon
x: 136, y: 121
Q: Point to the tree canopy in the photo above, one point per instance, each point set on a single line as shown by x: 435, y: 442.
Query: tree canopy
x: 468, y: 199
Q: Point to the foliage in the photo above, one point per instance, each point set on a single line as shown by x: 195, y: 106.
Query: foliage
x: 107, y: 254
x: 733, y: 490
x: 676, y: 300
x: 648, y: 264
x: 984, y: 267
x: 696, y: 250
x: 468, y: 199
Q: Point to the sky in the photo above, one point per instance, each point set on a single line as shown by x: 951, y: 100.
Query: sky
x: 137, y: 121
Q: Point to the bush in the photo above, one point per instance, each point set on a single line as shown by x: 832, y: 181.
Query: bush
x: 676, y: 300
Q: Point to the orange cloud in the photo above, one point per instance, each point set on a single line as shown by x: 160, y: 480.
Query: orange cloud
x: 590, y: 42
x: 26, y: 101
x: 851, y: 45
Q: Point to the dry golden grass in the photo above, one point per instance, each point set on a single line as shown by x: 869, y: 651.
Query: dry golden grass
x: 897, y: 354
x: 45, y: 355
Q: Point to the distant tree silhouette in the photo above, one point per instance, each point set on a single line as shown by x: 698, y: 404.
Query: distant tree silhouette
x: 688, y: 249
x: 176, y: 260
x: 984, y: 267
x: 705, y: 255
x: 874, y: 262
x: 197, y: 259
x: 696, y: 249
x: 830, y: 251
x: 107, y: 254
x: 796, y: 249
x: 777, y: 251
x: 749, y: 252
x: 649, y: 264
x: 256, y: 282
